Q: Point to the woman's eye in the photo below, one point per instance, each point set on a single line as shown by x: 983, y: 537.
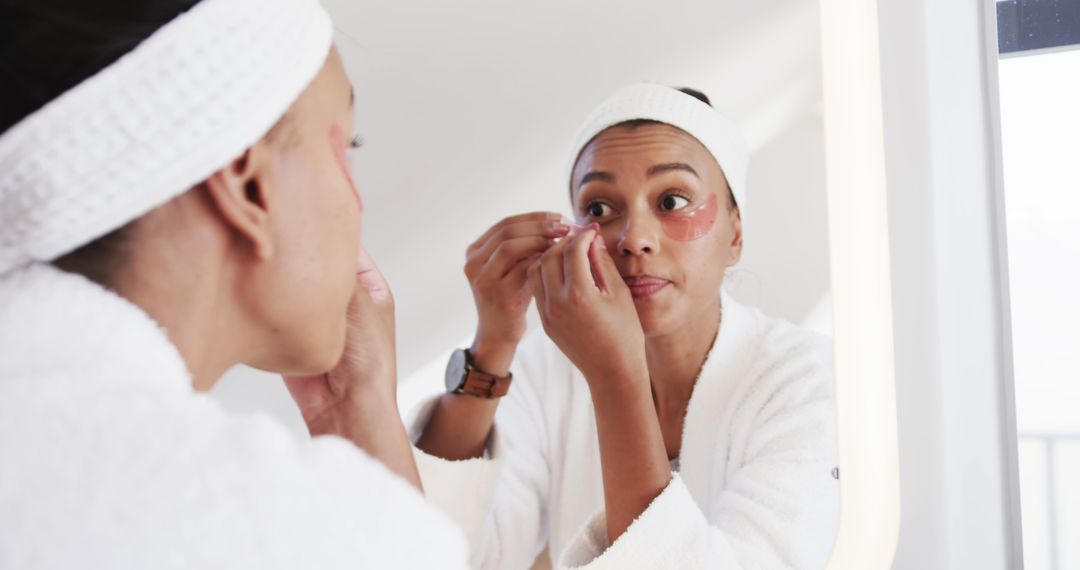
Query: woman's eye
x: 597, y: 209
x: 673, y: 203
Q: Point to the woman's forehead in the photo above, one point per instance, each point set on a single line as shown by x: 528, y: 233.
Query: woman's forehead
x: 624, y: 148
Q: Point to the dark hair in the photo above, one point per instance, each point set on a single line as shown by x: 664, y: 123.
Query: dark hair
x: 696, y: 95
x: 49, y: 46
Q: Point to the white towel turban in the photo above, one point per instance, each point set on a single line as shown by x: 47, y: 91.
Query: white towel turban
x: 667, y: 105
x: 189, y: 99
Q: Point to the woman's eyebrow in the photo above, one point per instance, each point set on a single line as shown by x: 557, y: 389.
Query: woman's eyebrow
x: 596, y: 175
x: 669, y: 166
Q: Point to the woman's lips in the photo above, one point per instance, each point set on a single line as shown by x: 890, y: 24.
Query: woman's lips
x: 644, y: 286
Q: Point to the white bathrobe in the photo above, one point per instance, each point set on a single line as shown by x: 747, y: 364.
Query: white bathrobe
x: 755, y: 489
x: 109, y: 459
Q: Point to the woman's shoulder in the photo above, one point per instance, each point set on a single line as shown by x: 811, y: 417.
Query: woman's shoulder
x: 779, y: 341
x: 784, y: 357
x: 185, y: 460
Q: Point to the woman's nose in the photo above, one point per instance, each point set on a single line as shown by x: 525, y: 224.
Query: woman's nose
x: 638, y: 236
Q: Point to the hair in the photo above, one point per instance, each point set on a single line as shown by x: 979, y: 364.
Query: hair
x: 637, y: 123
x: 696, y: 95
x: 48, y: 47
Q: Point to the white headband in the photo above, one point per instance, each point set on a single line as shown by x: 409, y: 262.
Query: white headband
x: 161, y: 119
x: 715, y: 132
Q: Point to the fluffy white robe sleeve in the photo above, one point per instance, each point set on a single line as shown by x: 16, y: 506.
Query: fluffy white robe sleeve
x: 108, y: 459
x: 756, y: 488
x: 500, y: 500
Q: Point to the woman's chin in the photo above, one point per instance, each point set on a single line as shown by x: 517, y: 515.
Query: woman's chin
x: 310, y: 361
x: 654, y: 322
x: 317, y: 352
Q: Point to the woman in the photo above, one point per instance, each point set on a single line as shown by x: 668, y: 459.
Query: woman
x: 658, y: 423
x: 175, y: 200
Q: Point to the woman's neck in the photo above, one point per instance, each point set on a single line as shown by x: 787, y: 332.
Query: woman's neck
x: 676, y: 359
x: 188, y: 305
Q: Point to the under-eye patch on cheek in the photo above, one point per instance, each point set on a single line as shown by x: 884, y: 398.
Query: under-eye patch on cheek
x: 338, y: 145
x: 691, y: 223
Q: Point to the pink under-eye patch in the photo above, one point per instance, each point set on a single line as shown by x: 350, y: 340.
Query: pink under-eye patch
x: 691, y: 223
x: 338, y: 144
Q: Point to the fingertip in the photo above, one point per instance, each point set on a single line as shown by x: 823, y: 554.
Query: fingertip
x: 559, y: 229
x: 587, y: 236
x: 594, y: 246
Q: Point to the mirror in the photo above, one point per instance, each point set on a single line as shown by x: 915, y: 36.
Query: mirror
x: 469, y: 112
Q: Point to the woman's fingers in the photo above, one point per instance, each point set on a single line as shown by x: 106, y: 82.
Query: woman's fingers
x: 366, y: 310
x: 535, y: 218
x: 479, y: 257
x: 603, y: 267
x: 552, y: 267
x: 536, y: 281
x: 518, y: 277
x: 531, y: 216
x: 530, y: 228
x: 372, y: 280
x: 510, y: 253
x: 576, y: 261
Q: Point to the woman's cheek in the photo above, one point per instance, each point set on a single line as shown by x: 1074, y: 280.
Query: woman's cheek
x: 338, y: 146
x: 693, y: 224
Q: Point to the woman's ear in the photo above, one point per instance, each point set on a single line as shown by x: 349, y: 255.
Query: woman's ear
x: 736, y: 235
x: 241, y: 192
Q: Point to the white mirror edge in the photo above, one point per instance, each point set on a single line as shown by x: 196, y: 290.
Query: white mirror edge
x: 861, y: 282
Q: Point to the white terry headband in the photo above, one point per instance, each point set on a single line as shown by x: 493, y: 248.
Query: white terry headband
x: 162, y: 118
x: 661, y: 103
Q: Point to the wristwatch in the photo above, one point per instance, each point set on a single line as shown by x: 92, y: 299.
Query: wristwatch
x: 462, y: 377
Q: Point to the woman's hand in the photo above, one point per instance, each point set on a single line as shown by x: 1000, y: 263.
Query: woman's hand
x: 367, y: 369
x: 357, y: 399
x: 588, y: 311
x: 496, y: 266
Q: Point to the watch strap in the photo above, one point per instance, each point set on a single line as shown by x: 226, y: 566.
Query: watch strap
x: 482, y: 384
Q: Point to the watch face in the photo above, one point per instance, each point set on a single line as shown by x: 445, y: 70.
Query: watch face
x: 455, y: 371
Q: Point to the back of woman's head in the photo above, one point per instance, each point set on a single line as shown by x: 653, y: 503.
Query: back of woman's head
x: 139, y: 150
x: 50, y: 46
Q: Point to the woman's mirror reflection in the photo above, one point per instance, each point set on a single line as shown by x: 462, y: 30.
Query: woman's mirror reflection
x: 652, y: 420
